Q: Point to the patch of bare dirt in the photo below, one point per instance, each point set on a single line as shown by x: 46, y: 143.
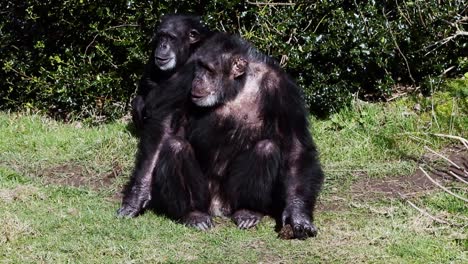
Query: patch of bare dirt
x: 79, y: 176
x: 371, y: 188
x: 417, y: 184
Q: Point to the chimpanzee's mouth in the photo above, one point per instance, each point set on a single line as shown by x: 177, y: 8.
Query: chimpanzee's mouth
x: 197, y: 97
x: 162, y: 61
x: 198, y: 94
x: 204, y: 99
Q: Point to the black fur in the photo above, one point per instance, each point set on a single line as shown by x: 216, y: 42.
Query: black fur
x: 166, y: 172
x: 172, y: 35
x: 250, y: 133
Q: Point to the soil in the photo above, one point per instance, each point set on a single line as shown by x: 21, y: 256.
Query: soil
x: 397, y: 187
x: 364, y: 189
x: 79, y: 176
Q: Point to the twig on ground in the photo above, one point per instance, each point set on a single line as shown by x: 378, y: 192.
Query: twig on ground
x: 419, y: 138
x: 465, y: 143
x: 397, y: 96
x: 442, y: 187
x: 458, y: 177
x: 463, y: 140
x: 443, y: 157
x: 424, y: 212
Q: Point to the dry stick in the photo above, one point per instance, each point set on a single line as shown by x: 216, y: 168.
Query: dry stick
x: 424, y: 212
x: 398, y: 47
x: 441, y: 186
x: 447, y: 70
x: 458, y: 32
x: 458, y: 177
x: 418, y: 138
x: 443, y: 157
x: 464, y: 141
x: 445, y: 40
x: 396, y: 96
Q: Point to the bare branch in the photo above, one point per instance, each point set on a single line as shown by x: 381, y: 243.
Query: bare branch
x: 320, y: 22
x: 442, y: 187
x: 458, y: 32
x: 464, y: 141
x: 443, y: 157
x: 424, y: 212
x: 397, y: 96
x: 447, y: 70
x: 458, y: 177
x: 398, y: 47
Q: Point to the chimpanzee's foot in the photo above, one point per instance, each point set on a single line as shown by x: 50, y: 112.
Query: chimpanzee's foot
x: 198, y: 220
x: 246, y: 219
x: 301, y: 224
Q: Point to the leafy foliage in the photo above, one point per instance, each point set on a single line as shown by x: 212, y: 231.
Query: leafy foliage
x: 85, y: 57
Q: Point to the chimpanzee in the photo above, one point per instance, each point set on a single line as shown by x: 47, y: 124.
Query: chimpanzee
x: 166, y: 172
x: 250, y: 134
x: 174, y: 40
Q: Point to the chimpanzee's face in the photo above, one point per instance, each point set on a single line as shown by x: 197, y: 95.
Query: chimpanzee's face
x: 215, y: 76
x: 172, y: 42
x: 165, y: 57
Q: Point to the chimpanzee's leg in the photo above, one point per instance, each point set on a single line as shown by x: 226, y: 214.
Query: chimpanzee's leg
x: 180, y: 189
x: 302, y: 182
x: 137, y: 192
x: 250, y: 183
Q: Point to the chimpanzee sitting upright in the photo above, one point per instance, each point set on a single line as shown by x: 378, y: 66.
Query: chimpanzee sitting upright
x: 250, y: 134
x: 174, y: 40
x: 166, y: 172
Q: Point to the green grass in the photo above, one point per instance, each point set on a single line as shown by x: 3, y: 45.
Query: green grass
x: 382, y: 140
x: 61, y: 224
x: 58, y: 184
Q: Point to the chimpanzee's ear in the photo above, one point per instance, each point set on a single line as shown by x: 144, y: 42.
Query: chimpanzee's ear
x: 194, y: 36
x: 239, y: 65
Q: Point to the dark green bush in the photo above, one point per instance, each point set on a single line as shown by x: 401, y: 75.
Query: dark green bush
x: 85, y: 57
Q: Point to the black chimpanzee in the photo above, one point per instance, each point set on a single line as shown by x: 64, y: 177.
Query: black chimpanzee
x: 174, y: 40
x: 250, y: 134
x: 166, y: 171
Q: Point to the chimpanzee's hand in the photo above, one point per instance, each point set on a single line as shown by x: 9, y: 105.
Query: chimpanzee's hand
x: 132, y: 205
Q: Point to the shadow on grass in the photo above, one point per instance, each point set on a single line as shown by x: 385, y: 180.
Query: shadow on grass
x: 130, y: 127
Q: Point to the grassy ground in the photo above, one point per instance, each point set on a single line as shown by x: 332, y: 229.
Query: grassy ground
x: 60, y: 184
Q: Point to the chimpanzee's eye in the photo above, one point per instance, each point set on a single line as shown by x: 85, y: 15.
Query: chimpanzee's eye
x: 206, y: 67
x: 162, y: 35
